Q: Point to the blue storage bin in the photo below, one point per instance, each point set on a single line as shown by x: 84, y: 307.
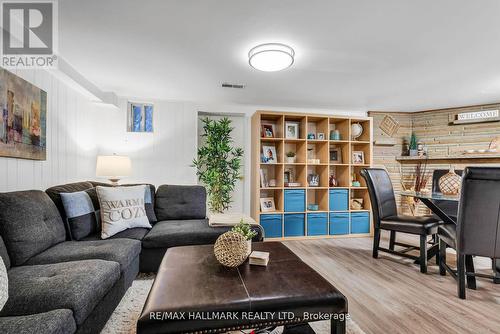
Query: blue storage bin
x: 339, y: 223
x: 339, y: 200
x: 317, y: 223
x: 360, y: 222
x: 272, y: 225
x: 295, y: 200
x: 294, y: 225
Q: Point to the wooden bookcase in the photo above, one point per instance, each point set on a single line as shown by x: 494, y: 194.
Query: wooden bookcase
x: 280, y: 170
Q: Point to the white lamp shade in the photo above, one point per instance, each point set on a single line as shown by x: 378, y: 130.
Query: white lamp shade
x: 113, y: 166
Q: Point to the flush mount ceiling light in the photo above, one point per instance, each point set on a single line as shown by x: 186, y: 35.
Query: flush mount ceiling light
x: 271, y: 57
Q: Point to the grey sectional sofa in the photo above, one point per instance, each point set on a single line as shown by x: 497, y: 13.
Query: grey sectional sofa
x: 58, y: 285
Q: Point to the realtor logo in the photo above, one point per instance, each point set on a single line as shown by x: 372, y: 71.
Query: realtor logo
x: 29, y: 34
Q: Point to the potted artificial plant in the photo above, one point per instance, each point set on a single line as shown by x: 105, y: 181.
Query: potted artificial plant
x: 218, y: 163
x: 413, y: 145
x: 290, y: 157
x: 245, y: 230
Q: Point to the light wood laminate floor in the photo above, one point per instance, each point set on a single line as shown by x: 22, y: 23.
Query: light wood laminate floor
x: 390, y: 295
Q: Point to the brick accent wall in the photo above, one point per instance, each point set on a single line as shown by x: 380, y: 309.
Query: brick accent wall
x: 432, y: 128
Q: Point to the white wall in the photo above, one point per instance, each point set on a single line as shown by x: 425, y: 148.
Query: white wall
x: 161, y: 157
x: 165, y: 156
x: 78, y: 130
x: 71, y: 147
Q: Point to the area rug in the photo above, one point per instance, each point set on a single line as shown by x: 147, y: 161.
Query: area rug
x: 124, y: 319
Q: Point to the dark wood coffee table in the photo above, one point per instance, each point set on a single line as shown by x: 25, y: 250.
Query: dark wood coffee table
x: 193, y: 293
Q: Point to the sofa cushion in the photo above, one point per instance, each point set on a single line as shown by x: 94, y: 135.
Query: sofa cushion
x: 122, y: 208
x: 29, y: 224
x: 78, y: 286
x: 80, y: 212
x: 165, y: 234
x: 52, y: 322
x: 55, y: 195
x: 149, y: 199
x: 4, y: 254
x: 123, y: 251
x: 174, y: 202
x: 136, y: 233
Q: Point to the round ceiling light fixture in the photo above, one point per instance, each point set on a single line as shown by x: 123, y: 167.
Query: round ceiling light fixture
x: 271, y: 57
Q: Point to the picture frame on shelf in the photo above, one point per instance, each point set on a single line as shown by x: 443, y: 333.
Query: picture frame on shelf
x: 358, y: 158
x: 267, y: 204
x: 269, y: 155
x: 292, y: 130
x: 267, y: 131
x: 313, y: 180
x: 321, y: 136
x: 336, y: 155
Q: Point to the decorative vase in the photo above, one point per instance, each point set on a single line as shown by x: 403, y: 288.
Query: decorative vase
x: 290, y: 160
x: 249, y: 247
x: 413, y: 153
x: 450, y: 183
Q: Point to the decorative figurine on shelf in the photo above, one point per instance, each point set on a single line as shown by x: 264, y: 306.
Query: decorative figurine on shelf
x: 357, y: 204
x: 356, y: 130
x: 420, y: 149
x: 332, y: 182
x: 355, y: 182
x: 311, y: 136
x: 406, y: 148
x: 290, y: 157
x: 313, y: 207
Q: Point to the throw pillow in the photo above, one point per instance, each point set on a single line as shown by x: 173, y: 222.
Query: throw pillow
x: 121, y: 208
x: 83, y: 218
x: 148, y: 200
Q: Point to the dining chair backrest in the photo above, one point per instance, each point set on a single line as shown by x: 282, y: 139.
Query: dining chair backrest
x: 381, y: 193
x: 479, y: 212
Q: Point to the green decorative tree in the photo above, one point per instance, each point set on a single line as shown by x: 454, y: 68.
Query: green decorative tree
x: 413, y: 141
x: 219, y: 163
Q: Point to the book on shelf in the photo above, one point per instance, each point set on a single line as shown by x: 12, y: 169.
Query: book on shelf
x: 259, y: 258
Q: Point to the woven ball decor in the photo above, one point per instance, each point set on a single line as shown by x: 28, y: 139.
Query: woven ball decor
x: 450, y: 183
x: 231, y: 249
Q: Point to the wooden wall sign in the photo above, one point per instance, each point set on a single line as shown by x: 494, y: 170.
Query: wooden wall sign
x: 479, y: 116
x: 389, y: 125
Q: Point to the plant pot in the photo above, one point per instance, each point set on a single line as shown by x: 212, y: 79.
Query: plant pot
x: 413, y: 153
x: 249, y: 247
x: 290, y: 160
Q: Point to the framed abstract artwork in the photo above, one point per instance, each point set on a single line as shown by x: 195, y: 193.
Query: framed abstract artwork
x: 140, y: 117
x: 23, y: 118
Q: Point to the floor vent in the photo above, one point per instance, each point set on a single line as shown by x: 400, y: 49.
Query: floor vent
x: 229, y: 85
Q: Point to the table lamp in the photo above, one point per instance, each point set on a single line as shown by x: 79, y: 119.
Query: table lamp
x: 114, y: 167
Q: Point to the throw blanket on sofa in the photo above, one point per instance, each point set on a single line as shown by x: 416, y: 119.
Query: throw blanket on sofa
x: 228, y: 219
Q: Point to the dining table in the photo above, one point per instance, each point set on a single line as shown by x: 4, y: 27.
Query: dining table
x: 432, y: 200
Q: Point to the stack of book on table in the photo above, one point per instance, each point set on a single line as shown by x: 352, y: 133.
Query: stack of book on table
x: 259, y: 258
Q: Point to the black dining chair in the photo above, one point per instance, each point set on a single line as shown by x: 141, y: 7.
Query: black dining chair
x: 386, y: 217
x: 478, y: 223
x: 450, y: 208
